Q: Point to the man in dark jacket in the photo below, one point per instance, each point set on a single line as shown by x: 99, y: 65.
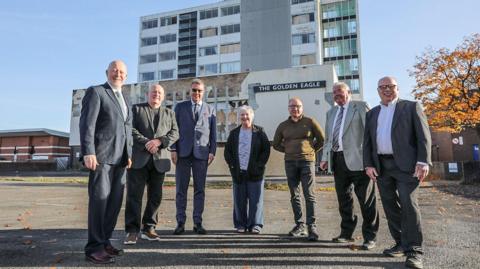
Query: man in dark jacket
x: 154, y: 130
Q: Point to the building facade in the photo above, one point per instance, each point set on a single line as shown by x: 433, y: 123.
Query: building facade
x: 456, y: 147
x: 267, y: 92
x: 33, y: 145
x: 235, y: 36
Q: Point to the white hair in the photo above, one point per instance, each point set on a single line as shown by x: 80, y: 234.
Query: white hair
x: 341, y: 85
x: 247, y: 109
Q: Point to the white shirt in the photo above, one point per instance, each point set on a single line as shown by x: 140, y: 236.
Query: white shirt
x: 384, y: 127
x: 244, y: 145
x: 340, y: 133
x: 123, y: 103
x: 199, y: 107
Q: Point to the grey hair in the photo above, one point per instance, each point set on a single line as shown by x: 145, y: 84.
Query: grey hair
x: 247, y: 109
x: 341, y: 85
x: 198, y: 81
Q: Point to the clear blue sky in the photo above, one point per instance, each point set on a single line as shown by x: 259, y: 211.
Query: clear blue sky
x: 49, y: 47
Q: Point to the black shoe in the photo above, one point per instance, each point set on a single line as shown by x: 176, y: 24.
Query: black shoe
x: 101, y: 257
x: 312, y: 232
x: 198, y: 228
x: 414, y: 260
x: 343, y: 239
x: 394, y: 251
x: 298, y: 230
x: 180, y: 229
x: 112, y: 251
x: 368, y: 245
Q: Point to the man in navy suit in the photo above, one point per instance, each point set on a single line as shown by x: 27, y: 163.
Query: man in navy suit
x: 192, y: 154
x: 106, y: 149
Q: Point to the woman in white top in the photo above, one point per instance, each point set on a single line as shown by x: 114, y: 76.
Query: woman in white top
x: 246, y: 152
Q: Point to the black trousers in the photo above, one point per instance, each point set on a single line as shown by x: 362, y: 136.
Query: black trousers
x: 105, y: 196
x: 398, y: 191
x: 347, y: 182
x: 136, y: 182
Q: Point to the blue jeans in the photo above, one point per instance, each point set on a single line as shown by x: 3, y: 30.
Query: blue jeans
x: 248, y: 204
x: 303, y: 172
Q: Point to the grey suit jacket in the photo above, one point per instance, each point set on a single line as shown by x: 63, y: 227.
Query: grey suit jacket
x: 103, y: 130
x: 143, y: 131
x: 352, y: 135
x: 411, y: 141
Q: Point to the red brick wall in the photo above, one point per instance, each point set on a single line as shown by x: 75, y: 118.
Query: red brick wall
x: 42, y: 144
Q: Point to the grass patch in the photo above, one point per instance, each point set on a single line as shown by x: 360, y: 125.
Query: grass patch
x: 220, y: 185
x: 76, y: 180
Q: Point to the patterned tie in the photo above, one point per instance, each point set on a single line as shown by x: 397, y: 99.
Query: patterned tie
x: 336, y: 130
x: 122, y: 103
x: 195, y: 111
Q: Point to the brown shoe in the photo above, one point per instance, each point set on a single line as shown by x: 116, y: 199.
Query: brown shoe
x: 130, y: 239
x: 100, y: 257
x: 112, y: 251
x: 150, y: 235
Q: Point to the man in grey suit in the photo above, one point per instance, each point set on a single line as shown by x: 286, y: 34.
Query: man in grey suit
x: 397, y: 156
x: 192, y: 154
x: 105, y: 141
x: 343, y: 154
x: 154, y: 131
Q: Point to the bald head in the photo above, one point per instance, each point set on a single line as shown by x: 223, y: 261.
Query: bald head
x: 156, y: 94
x: 387, y: 89
x: 295, y: 108
x: 116, y: 73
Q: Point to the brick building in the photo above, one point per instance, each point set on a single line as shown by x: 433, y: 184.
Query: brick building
x: 33, y: 144
x: 460, y: 147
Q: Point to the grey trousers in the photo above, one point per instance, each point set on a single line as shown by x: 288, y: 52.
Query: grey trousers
x: 398, y: 192
x: 303, y: 172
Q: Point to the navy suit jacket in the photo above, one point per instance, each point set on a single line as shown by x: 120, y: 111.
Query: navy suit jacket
x: 198, y: 138
x: 103, y: 130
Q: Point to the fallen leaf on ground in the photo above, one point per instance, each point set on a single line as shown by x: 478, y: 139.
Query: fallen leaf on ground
x: 354, y: 247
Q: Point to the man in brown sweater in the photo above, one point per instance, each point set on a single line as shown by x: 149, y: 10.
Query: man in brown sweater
x: 300, y: 137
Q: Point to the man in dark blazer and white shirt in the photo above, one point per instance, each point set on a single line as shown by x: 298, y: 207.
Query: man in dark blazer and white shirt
x: 192, y: 154
x: 154, y: 129
x: 106, y: 147
x: 397, y: 156
x: 343, y: 154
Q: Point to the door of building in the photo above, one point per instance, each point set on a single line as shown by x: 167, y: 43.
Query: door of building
x: 475, y: 152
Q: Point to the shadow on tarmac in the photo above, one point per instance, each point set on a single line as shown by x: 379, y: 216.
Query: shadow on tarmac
x: 64, y: 247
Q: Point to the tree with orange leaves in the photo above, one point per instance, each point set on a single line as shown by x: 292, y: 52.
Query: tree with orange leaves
x: 448, y: 85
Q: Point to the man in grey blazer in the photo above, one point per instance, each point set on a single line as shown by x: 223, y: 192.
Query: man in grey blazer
x: 343, y: 154
x: 397, y: 156
x: 105, y: 141
x: 154, y: 131
x: 192, y: 154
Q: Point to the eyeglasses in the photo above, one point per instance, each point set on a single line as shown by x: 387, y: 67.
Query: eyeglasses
x: 197, y: 90
x: 389, y: 86
x: 294, y: 106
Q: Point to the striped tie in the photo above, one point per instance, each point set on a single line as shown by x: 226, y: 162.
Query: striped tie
x: 336, y: 130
